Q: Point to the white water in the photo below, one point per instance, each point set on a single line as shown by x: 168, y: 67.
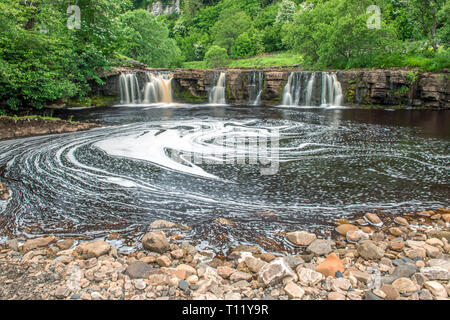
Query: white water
x: 301, y: 87
x: 217, y: 93
x: 255, y: 87
x: 157, y: 89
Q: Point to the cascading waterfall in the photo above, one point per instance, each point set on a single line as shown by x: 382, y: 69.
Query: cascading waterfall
x: 302, y: 89
x: 129, y: 88
x: 217, y: 93
x: 255, y: 87
x: 157, y: 89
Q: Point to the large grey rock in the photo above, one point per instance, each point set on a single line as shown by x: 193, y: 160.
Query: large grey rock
x: 369, y: 250
x: 254, y: 264
x: 156, y: 241
x: 320, y: 247
x: 401, y: 271
x: 275, y: 271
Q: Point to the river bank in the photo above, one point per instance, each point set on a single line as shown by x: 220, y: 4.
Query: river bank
x: 11, y: 128
x: 371, y: 258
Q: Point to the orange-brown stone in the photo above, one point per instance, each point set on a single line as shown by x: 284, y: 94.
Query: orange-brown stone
x: 346, y: 227
x: 331, y: 265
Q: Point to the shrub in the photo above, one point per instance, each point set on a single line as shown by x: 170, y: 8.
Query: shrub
x: 216, y: 57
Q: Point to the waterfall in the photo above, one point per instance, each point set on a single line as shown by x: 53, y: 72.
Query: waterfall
x: 303, y: 89
x: 255, y: 87
x: 129, y: 88
x: 158, y: 88
x: 217, y: 93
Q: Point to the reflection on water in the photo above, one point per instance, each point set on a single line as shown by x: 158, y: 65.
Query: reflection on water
x: 332, y: 163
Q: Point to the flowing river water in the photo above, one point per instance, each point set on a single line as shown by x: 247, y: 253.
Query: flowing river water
x: 144, y: 165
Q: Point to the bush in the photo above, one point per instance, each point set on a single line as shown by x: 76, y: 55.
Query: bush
x: 246, y: 45
x: 216, y: 57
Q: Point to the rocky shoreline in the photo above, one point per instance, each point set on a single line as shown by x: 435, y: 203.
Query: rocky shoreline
x: 371, y: 258
x: 11, y: 128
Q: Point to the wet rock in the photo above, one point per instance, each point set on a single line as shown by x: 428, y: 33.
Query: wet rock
x: 356, y: 236
x: 275, y: 271
x: 401, y: 221
x: 395, y: 231
x: 331, y: 265
x: 373, y: 219
x: 4, y: 192
x: 320, y: 247
x: 156, y: 241
x: 267, y: 257
x: 294, y: 291
x: 162, y: 224
x: 404, y: 285
x: 301, y: 238
x: 346, y: 227
x: 224, y: 222
x: 309, y: 277
x: 36, y: 243
x: 437, y: 289
x: 93, y: 249
x: 435, y: 273
x: 369, y: 250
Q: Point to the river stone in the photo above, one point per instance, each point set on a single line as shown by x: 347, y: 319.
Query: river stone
x: 139, y: 270
x: 401, y: 271
x: 294, y: 291
x: 369, y: 251
x: 37, y: 243
x: 239, y: 275
x: 434, y: 242
x: 62, y: 292
x: 254, y: 264
x: 13, y: 244
x: 435, y: 273
x: 93, y: 249
x: 371, y: 296
x: 308, y: 277
x: 275, y: 271
x: 440, y: 263
x: 346, y: 227
x: 336, y: 296
x: 293, y: 261
x: 437, y: 289
x: 301, y: 238
x: 401, y: 221
x: 163, y: 261
x: 156, y: 241
x: 425, y: 294
x: 162, y: 224
x: 391, y: 292
x: 225, y: 271
x: 395, y: 231
x: 404, y: 285
x: 373, y: 219
x: 320, y: 247
x: 331, y: 265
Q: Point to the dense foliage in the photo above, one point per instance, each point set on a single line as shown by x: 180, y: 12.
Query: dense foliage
x: 45, y: 57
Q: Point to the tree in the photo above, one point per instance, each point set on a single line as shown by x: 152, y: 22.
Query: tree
x: 147, y: 40
x: 335, y: 33
x: 286, y: 11
x: 247, y: 44
x: 191, y: 8
x: 216, y: 57
x: 444, y: 21
x: 232, y: 22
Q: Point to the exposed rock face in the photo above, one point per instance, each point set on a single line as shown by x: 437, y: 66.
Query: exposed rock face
x: 360, y: 87
x: 158, y: 8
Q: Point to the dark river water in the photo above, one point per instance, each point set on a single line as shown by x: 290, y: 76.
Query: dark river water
x: 193, y: 164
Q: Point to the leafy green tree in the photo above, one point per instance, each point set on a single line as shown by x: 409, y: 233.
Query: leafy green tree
x: 427, y: 11
x: 232, y: 22
x: 286, y: 11
x: 216, y: 57
x: 147, y: 40
x: 191, y: 8
x: 444, y: 20
x: 335, y: 33
x: 247, y: 44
